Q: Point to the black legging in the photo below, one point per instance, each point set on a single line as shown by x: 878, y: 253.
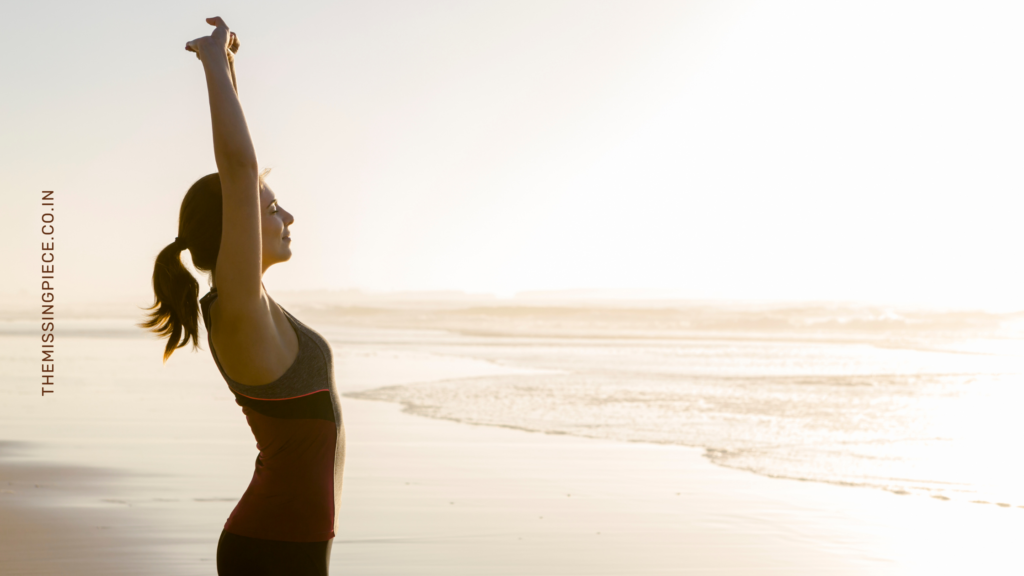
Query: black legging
x: 244, y: 556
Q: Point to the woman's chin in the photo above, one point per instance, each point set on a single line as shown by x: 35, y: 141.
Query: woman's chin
x: 283, y: 255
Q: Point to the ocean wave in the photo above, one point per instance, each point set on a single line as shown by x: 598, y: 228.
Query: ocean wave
x: 927, y: 434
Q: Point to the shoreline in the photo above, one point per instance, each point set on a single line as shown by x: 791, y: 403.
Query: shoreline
x: 410, y: 408
x: 745, y: 523
x: 161, y: 466
x: 427, y: 496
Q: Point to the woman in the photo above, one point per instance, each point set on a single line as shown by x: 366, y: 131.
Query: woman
x: 279, y: 370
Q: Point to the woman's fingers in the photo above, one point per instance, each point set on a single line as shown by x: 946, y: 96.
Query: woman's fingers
x: 232, y: 38
x: 191, y: 47
x: 221, y: 36
x: 216, y: 21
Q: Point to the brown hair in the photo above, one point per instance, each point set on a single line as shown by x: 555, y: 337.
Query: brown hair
x: 175, y: 311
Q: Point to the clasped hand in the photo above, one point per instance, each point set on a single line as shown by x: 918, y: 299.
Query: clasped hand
x: 222, y: 39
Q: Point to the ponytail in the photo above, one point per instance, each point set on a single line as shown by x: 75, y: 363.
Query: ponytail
x: 175, y: 313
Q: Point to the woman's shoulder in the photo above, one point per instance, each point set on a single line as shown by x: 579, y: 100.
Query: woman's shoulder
x: 254, y: 349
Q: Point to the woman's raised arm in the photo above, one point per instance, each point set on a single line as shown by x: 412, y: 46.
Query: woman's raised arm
x: 239, y: 267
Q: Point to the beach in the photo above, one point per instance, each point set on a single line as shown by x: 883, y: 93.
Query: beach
x: 433, y: 497
x: 130, y: 475
x: 607, y: 288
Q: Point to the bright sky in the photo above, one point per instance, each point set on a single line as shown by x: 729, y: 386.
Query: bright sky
x: 774, y: 150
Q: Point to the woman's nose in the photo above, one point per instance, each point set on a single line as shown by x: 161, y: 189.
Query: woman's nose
x: 288, y: 218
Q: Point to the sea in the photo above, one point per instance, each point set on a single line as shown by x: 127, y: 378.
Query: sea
x: 924, y: 403
x: 915, y: 402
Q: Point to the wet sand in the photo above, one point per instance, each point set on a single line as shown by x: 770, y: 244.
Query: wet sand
x: 138, y: 479
x: 65, y: 519
x: 433, y: 497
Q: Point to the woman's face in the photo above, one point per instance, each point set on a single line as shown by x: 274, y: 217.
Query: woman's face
x: 275, y: 222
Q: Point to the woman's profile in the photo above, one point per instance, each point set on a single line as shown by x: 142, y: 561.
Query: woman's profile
x: 279, y: 370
